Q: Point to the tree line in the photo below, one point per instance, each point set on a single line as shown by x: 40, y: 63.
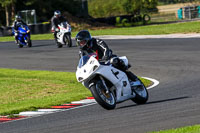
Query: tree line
x: 107, y: 8
x: 96, y: 8
x: 44, y: 8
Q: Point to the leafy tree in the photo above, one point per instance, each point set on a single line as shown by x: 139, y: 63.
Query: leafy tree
x: 9, y: 6
x: 105, y: 8
x: 44, y: 8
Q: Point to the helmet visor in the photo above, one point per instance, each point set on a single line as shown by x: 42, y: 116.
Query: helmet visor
x: 57, y: 15
x: 82, y: 42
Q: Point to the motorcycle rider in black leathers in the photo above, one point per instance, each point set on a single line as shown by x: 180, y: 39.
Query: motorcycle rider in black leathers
x: 18, y: 22
x: 55, y: 21
x: 87, y: 44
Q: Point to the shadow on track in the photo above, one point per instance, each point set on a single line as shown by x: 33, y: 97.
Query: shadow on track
x: 42, y: 45
x: 160, y: 101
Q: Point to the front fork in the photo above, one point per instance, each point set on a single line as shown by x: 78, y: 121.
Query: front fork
x: 103, y: 81
x: 25, y: 38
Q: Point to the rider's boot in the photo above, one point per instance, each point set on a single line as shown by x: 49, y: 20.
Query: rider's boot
x: 131, y: 76
x: 16, y: 42
x: 119, y: 64
x: 55, y: 38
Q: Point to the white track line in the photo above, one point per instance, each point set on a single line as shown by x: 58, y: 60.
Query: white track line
x: 32, y: 113
x: 50, y: 110
x: 85, y: 101
x: 155, y: 82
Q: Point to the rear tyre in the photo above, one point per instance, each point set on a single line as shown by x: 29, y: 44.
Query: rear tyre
x: 106, y: 100
x: 141, y: 94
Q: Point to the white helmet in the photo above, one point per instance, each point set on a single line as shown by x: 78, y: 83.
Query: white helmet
x: 18, y: 18
x: 57, y: 13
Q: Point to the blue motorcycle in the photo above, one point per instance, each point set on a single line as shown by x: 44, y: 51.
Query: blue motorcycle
x: 23, y: 36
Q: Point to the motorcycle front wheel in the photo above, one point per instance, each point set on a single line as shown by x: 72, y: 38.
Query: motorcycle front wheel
x: 141, y: 94
x: 59, y: 45
x: 68, y: 40
x: 106, y: 100
x: 20, y: 46
x: 29, y: 42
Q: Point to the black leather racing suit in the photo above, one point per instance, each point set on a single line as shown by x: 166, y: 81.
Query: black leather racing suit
x: 16, y: 24
x: 99, y: 47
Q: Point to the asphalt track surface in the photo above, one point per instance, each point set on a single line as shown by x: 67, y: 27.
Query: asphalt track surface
x: 175, y: 102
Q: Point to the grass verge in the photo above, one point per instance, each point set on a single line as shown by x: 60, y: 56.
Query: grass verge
x: 188, y: 129
x: 22, y: 90
x: 186, y: 27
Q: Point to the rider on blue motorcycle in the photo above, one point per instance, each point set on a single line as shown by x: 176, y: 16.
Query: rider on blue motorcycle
x: 18, y: 22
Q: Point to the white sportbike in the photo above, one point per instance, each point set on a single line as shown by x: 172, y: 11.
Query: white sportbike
x: 108, y: 84
x: 64, y: 35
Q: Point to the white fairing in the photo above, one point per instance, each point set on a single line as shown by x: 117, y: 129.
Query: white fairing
x: 64, y: 28
x: 86, y: 72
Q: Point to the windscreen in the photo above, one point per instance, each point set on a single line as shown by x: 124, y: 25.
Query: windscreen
x: 83, y: 60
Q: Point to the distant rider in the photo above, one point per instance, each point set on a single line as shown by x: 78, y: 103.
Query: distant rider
x: 17, y: 23
x: 87, y: 45
x: 55, y: 21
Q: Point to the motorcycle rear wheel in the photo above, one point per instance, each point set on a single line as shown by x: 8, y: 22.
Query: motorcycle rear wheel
x: 106, y: 100
x: 141, y: 94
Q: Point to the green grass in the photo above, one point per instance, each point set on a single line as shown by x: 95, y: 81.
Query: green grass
x: 28, y: 90
x: 22, y: 90
x: 187, y: 27
x: 188, y: 129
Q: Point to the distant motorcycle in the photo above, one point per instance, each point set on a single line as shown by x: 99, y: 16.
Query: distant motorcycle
x: 108, y: 84
x: 23, y: 36
x: 64, y: 35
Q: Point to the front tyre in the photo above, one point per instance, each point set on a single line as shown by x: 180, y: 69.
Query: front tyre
x: 68, y: 40
x: 106, y: 100
x: 20, y: 46
x: 141, y: 94
x: 59, y: 45
x: 29, y: 42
